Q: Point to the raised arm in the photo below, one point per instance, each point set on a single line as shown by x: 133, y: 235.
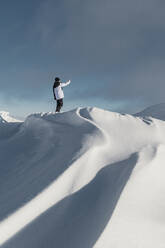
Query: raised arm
x: 65, y: 84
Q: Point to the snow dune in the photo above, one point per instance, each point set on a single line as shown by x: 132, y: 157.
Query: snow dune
x: 83, y: 178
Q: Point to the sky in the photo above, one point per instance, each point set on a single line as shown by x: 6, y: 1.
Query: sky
x: 111, y: 50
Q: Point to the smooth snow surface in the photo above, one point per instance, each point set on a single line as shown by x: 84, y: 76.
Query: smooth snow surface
x: 81, y: 179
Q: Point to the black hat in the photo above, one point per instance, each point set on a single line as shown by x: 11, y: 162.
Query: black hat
x: 57, y: 79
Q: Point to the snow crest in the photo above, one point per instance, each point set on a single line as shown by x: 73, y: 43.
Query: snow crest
x: 83, y: 178
x: 5, y: 117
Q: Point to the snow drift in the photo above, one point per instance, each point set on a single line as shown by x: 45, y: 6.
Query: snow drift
x: 83, y: 178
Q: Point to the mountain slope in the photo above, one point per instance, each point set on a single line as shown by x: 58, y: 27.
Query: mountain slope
x: 84, y: 178
x: 155, y: 111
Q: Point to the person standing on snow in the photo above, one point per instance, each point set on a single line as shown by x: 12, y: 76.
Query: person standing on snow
x: 58, y: 92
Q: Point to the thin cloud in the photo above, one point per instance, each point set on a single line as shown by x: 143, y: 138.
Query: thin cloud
x: 110, y: 49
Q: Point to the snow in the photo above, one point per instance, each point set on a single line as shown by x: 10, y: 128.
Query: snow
x: 5, y: 117
x: 156, y: 111
x: 83, y: 178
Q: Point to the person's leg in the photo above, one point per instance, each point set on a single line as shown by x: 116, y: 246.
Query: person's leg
x: 57, y: 106
x: 60, y: 104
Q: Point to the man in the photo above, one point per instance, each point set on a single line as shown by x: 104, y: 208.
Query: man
x: 58, y: 92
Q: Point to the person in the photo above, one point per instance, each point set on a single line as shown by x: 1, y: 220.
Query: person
x: 58, y: 92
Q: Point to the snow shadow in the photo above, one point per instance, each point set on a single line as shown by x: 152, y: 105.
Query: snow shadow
x: 79, y: 219
x: 35, y: 153
x: 7, y: 130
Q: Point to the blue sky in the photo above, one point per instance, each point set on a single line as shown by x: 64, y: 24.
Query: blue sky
x: 112, y: 50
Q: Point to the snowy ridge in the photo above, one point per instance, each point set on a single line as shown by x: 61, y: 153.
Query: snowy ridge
x: 79, y: 178
x: 155, y: 111
x: 5, y: 117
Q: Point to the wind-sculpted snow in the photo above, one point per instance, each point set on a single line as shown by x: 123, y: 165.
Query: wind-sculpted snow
x: 5, y: 117
x: 80, y: 179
